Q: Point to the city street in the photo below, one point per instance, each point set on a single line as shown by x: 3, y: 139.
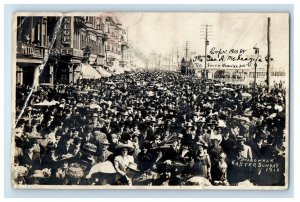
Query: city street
x: 170, y: 128
x: 151, y: 99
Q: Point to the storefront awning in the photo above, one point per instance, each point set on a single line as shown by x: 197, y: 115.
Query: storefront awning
x: 103, y: 72
x: 116, y: 70
x: 87, y: 71
x: 127, y: 69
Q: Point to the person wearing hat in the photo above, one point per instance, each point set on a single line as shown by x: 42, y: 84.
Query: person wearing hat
x: 257, y: 145
x: 216, y: 135
x: 185, y: 153
x: 241, y: 150
x: 235, y: 131
x: 172, y: 153
x: 206, y: 135
x: 105, y: 154
x: 214, y: 151
x: 31, y: 157
x: 95, y: 122
x: 114, y: 141
x: 88, y: 137
x: 64, y: 150
x: 227, y: 142
x: 106, y: 127
x: 123, y: 160
x: 128, y: 178
x: 156, y: 142
x: 202, y: 164
x: 189, y: 135
x: 124, y: 116
x: 151, y: 130
x: 145, y: 158
x: 136, y: 131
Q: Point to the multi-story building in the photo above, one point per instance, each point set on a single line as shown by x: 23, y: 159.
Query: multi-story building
x: 68, y: 48
x: 31, y: 48
x: 116, y: 45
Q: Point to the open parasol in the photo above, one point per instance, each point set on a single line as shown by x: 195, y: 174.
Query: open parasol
x: 198, y: 181
x: 110, y: 83
x: 246, y: 95
x: 94, y: 106
x: 46, y: 103
x: 103, y: 168
x: 242, y: 118
x: 228, y: 89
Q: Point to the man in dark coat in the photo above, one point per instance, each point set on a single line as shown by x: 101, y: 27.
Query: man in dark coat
x: 227, y: 143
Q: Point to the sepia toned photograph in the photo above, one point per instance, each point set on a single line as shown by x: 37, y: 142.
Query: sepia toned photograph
x: 150, y: 100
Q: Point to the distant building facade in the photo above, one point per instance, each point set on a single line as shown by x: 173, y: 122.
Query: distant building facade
x: 94, y: 41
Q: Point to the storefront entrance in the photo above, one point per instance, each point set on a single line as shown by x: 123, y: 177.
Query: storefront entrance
x: 28, y: 75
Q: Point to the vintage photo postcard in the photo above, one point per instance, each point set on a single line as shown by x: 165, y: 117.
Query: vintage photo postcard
x: 150, y: 100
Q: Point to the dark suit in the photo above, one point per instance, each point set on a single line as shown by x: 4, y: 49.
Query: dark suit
x: 256, y: 151
x: 34, y: 161
x: 171, y: 154
x: 150, y: 133
x: 227, y: 145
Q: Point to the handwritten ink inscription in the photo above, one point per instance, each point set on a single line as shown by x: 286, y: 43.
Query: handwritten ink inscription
x: 226, y: 58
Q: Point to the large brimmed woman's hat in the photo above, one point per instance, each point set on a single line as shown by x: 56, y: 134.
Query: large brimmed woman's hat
x: 89, y: 148
x: 133, y: 166
x: 125, y: 145
x: 75, y: 171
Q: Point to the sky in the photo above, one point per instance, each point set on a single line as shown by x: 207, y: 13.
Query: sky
x: 164, y: 32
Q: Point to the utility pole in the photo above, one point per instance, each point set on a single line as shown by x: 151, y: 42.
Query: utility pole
x: 206, y: 43
x: 186, y: 49
x: 269, y: 55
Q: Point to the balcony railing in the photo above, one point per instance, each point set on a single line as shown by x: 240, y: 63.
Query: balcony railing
x: 30, y: 50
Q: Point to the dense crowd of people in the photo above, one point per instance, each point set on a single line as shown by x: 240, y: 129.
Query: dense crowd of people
x: 150, y: 128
